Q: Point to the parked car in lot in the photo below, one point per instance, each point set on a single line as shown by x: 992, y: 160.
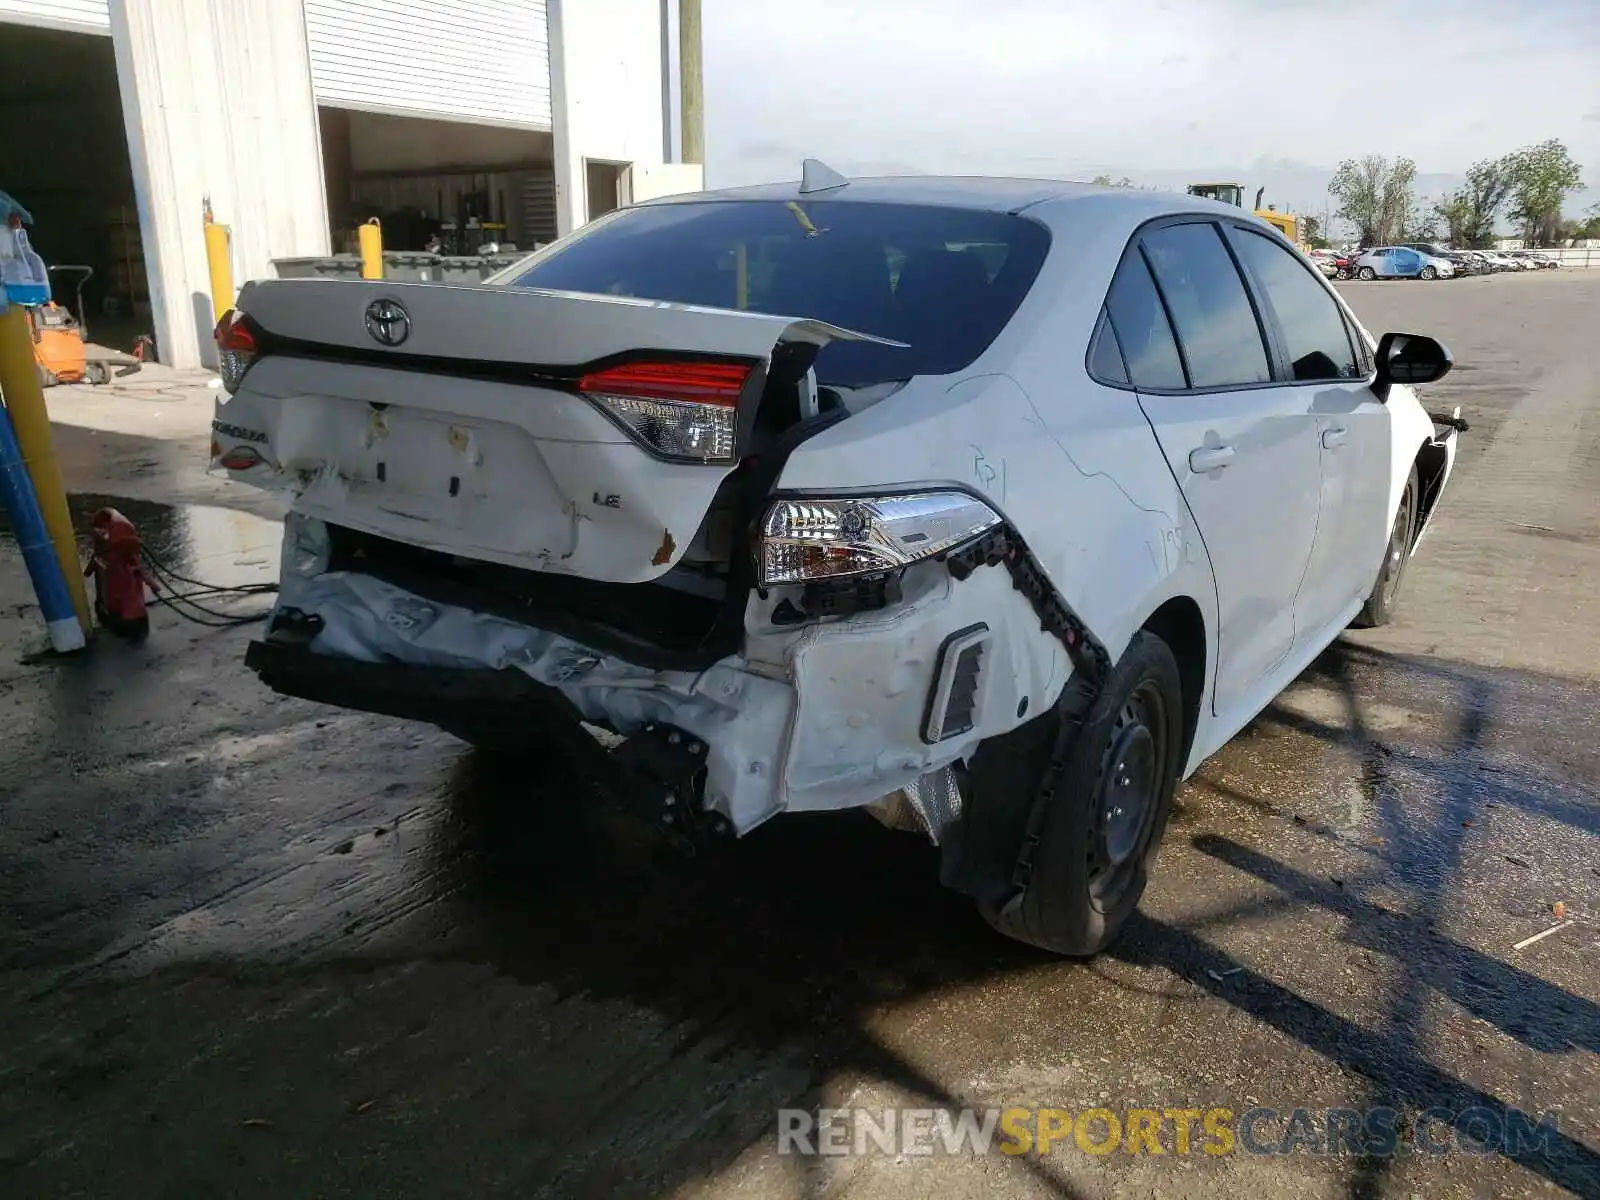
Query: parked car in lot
x: 1535, y: 259
x: 1506, y: 261
x: 1431, y: 249
x: 1402, y: 262
x: 1343, y: 262
x: 991, y: 506
x: 1466, y: 262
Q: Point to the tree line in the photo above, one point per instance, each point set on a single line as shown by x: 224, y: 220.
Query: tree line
x: 1527, y: 186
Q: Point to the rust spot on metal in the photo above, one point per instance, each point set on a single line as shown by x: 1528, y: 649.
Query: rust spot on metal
x: 663, y: 554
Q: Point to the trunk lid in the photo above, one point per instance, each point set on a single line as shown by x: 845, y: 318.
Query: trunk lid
x: 471, y: 420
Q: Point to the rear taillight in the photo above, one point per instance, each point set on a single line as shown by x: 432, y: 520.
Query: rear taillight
x: 236, y: 347
x: 687, y: 411
x: 240, y: 458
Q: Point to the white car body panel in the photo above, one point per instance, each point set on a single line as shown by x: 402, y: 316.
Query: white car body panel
x: 1257, y: 509
x: 828, y: 715
x: 494, y: 470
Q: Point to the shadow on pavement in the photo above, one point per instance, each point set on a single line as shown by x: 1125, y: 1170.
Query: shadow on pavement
x: 641, y: 1016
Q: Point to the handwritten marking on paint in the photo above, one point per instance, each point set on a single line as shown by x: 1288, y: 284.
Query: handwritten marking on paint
x: 982, y: 470
x: 985, y: 472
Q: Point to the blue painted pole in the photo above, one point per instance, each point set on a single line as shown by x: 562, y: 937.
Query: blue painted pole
x: 38, y: 550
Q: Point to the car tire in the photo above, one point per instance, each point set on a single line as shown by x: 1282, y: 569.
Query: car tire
x: 1429, y: 273
x: 1367, y: 274
x: 1342, y: 273
x: 1100, y: 834
x: 1380, y: 604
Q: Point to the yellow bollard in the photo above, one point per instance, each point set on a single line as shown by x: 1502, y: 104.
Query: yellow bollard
x: 24, y: 400
x: 219, y: 258
x: 371, y: 235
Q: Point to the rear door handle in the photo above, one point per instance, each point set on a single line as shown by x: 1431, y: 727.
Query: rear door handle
x: 1207, y: 460
x: 1332, y: 439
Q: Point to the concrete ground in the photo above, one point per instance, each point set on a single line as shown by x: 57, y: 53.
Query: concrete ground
x: 256, y: 947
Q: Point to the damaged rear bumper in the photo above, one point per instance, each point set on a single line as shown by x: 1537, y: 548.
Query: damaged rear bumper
x: 491, y: 704
x: 831, y: 715
x: 655, y: 775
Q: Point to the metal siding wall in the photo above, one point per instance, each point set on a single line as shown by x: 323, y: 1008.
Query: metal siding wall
x: 476, y: 60
x: 217, y: 102
x: 78, y: 16
x: 606, y: 70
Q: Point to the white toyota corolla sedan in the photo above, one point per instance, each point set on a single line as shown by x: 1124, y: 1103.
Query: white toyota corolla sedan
x: 991, y: 506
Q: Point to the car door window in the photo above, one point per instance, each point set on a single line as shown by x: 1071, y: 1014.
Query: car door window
x: 1221, y: 341
x: 1314, y: 335
x: 1142, y: 329
x: 1364, y: 364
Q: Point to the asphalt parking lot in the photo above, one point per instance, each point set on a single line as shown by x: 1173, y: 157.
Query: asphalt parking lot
x: 255, y: 947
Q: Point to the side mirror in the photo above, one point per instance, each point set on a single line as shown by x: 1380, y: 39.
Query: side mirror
x: 1410, y: 358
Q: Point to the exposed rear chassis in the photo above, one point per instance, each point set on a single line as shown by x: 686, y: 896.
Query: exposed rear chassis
x: 824, y: 716
x: 655, y: 774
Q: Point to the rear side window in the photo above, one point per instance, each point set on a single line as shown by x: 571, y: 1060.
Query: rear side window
x: 1105, y: 356
x: 1221, y: 339
x: 943, y: 280
x: 1142, y: 329
x: 1314, y: 333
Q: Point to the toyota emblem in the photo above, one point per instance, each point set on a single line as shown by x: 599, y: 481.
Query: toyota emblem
x: 387, y: 322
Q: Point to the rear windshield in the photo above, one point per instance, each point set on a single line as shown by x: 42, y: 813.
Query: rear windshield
x: 943, y: 280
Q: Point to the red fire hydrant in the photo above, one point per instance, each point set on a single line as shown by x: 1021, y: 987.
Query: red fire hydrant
x: 119, y: 580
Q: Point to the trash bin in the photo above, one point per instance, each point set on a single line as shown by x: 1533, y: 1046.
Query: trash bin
x: 295, y: 268
x: 339, y: 266
x: 495, y: 263
x: 411, y: 266
x: 460, y: 268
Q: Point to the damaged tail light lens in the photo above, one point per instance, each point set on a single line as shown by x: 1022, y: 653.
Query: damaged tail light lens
x: 686, y: 411
x: 236, y: 347
x: 805, y: 538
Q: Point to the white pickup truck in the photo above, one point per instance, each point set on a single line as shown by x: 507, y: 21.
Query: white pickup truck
x: 993, y: 506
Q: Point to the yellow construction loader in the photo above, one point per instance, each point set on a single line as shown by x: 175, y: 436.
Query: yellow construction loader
x: 1233, y: 193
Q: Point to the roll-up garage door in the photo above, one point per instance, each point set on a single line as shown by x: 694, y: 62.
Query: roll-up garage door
x: 463, y: 60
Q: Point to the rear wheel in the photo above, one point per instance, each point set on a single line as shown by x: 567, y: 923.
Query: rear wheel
x: 1380, y: 605
x: 97, y: 373
x: 1366, y: 273
x: 1100, y: 834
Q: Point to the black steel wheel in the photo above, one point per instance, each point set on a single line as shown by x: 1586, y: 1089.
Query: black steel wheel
x: 1380, y: 605
x: 1102, y: 828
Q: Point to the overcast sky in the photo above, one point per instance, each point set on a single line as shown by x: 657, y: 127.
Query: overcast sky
x: 1067, y: 87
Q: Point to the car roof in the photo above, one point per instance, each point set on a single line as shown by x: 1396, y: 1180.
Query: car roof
x: 985, y: 193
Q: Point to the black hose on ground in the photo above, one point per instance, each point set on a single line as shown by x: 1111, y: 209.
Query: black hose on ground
x: 166, y: 580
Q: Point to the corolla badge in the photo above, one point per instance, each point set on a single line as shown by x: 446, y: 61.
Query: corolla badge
x: 387, y: 322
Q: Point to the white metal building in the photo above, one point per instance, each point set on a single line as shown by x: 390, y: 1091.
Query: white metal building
x: 298, y: 119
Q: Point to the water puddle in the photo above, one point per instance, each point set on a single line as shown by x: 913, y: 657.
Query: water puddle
x: 222, y: 546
